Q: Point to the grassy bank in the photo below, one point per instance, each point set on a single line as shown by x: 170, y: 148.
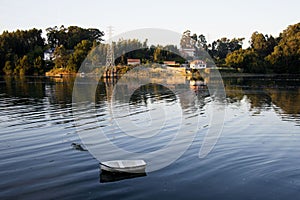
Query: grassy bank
x: 59, y: 72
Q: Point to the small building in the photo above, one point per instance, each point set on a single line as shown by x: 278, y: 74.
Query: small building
x: 197, y: 64
x: 49, y: 54
x: 133, y: 61
x: 170, y: 63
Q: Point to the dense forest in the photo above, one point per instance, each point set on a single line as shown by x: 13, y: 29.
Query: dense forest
x: 22, y: 51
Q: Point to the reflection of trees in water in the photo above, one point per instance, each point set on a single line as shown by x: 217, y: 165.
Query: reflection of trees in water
x: 31, y: 87
x: 60, y: 91
x: 262, y: 93
x: 287, y: 100
x: 22, y: 92
x: 30, y: 96
x: 194, y: 98
x: 258, y: 100
x: 152, y: 92
x: 189, y: 99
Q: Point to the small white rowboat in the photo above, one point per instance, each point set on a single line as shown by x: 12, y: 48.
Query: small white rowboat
x: 128, y: 166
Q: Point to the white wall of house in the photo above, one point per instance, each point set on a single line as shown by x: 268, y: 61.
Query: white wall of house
x: 198, y: 64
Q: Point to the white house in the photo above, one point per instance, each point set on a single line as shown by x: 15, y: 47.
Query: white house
x: 49, y: 54
x: 198, y: 64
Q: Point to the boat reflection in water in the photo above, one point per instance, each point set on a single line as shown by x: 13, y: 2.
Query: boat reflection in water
x: 106, y: 176
x: 117, y: 170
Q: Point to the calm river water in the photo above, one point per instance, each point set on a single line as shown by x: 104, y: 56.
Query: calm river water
x: 256, y: 157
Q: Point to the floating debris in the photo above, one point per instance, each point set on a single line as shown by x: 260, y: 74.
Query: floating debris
x: 78, y: 147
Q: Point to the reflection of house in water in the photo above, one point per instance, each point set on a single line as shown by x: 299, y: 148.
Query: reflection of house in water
x: 261, y: 95
x: 197, y: 83
x: 170, y: 88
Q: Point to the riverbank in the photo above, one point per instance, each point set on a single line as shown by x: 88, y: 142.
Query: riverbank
x: 59, y: 72
x: 121, y: 70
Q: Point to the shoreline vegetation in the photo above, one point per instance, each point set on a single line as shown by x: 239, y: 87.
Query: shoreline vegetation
x: 61, y: 53
x: 225, y: 73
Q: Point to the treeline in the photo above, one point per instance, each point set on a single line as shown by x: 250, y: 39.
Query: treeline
x: 22, y: 51
x: 217, y: 50
x: 133, y: 48
x: 266, y: 54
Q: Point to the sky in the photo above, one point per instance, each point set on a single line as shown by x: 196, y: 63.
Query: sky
x: 213, y: 18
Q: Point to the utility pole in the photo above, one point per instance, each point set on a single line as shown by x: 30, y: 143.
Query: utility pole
x: 110, y: 68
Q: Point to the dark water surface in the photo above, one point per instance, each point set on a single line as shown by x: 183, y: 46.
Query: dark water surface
x: 256, y: 157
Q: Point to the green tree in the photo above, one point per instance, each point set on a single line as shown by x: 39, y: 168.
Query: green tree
x: 131, y: 48
x: 262, y: 44
x: 98, y: 55
x: 285, y: 57
x: 258, y: 42
x: 201, y: 42
x: 38, y: 66
x: 23, y: 66
x: 224, y: 46
x: 71, y: 36
x: 187, y: 41
x: 61, y: 57
x: 246, y: 59
x: 157, y: 54
x: 14, y: 45
x: 8, y: 68
x: 79, y: 54
x: 236, y: 59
